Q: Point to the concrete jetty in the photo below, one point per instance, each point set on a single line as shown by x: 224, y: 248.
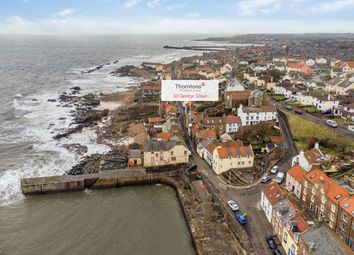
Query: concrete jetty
x: 210, y: 233
x: 107, y: 179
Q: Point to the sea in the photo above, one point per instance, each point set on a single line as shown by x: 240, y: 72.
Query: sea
x: 132, y: 220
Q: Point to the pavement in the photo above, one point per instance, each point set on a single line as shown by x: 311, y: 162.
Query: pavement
x: 321, y: 120
x: 248, y: 197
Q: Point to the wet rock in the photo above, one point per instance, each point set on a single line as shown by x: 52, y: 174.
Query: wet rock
x: 77, y: 88
x: 123, y: 71
x: 75, y: 147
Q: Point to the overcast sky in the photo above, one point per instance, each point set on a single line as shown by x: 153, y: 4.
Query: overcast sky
x: 175, y: 16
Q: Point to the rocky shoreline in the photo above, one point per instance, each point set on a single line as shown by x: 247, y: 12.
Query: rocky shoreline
x: 107, y: 114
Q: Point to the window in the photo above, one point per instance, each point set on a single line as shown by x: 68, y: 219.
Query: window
x: 313, y: 190
x: 306, y: 184
x: 171, y: 153
x: 332, y: 216
x: 333, y: 208
x: 323, y: 199
x: 344, y: 217
x: 185, y: 152
x: 173, y: 158
x: 285, y: 239
x: 305, y: 191
x: 331, y: 224
x: 304, y: 198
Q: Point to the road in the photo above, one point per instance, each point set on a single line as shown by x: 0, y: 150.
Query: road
x: 321, y: 120
x: 247, y: 197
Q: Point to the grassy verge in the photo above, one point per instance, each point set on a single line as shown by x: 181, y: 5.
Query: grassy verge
x: 303, y: 130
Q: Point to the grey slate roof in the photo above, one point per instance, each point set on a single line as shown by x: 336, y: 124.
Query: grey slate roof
x: 327, y: 245
x: 135, y: 154
x: 154, y: 145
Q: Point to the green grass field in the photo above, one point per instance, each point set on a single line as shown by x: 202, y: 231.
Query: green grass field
x: 303, y: 129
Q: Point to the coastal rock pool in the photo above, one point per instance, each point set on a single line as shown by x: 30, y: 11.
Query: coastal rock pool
x: 130, y: 220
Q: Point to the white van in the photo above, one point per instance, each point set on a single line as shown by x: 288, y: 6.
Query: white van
x: 279, y: 178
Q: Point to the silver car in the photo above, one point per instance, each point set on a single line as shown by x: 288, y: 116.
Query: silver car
x: 232, y: 204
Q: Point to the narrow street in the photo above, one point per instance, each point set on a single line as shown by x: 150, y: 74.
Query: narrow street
x: 247, y: 197
x: 341, y: 129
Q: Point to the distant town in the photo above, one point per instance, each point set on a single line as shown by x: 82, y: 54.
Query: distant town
x: 270, y: 163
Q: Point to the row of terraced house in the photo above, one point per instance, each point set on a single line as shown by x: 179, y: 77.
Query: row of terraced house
x: 329, y: 202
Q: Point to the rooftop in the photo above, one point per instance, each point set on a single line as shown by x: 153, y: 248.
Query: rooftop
x: 155, y: 145
x: 297, y: 172
x: 273, y: 193
x: 321, y: 242
x: 233, y: 152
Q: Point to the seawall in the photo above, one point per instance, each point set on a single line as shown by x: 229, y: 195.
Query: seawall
x: 107, y: 179
x: 208, y: 237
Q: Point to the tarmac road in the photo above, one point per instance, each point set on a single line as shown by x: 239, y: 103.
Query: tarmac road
x: 341, y: 129
x: 248, y: 197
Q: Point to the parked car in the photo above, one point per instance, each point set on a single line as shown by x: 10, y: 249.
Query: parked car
x: 332, y: 123
x: 271, y: 243
x: 233, y: 205
x: 241, y: 218
x: 288, y: 107
x: 265, y: 179
x: 351, y: 128
x: 298, y: 111
x: 274, y: 169
x: 279, y: 178
x: 276, y: 252
x: 191, y: 167
x: 329, y: 111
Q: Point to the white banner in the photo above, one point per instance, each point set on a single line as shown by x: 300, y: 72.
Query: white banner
x: 189, y: 90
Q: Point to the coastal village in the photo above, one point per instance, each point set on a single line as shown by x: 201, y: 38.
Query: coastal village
x: 279, y: 143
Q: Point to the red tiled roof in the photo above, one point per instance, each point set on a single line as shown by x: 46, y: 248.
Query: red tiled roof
x: 276, y: 139
x: 302, y: 225
x: 350, y: 63
x: 155, y: 120
x: 232, y: 119
x: 211, y: 133
x: 334, y: 191
x: 297, y: 172
x: 312, y: 155
x: 165, y: 135
x: 237, y: 151
x: 211, y: 147
x: 272, y: 192
x: 348, y: 205
x: 315, y: 176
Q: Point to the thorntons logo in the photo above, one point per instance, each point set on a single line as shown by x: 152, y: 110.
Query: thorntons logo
x: 190, y: 86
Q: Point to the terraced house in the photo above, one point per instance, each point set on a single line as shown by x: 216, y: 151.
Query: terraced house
x: 323, y: 195
x: 345, y: 226
x: 162, y: 153
x: 232, y: 157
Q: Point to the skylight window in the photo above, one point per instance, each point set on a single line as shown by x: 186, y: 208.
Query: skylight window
x: 346, y: 205
x: 338, y: 196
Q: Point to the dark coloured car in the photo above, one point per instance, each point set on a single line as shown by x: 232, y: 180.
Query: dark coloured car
x: 298, y: 111
x: 271, y: 243
x: 276, y: 252
x: 191, y: 167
